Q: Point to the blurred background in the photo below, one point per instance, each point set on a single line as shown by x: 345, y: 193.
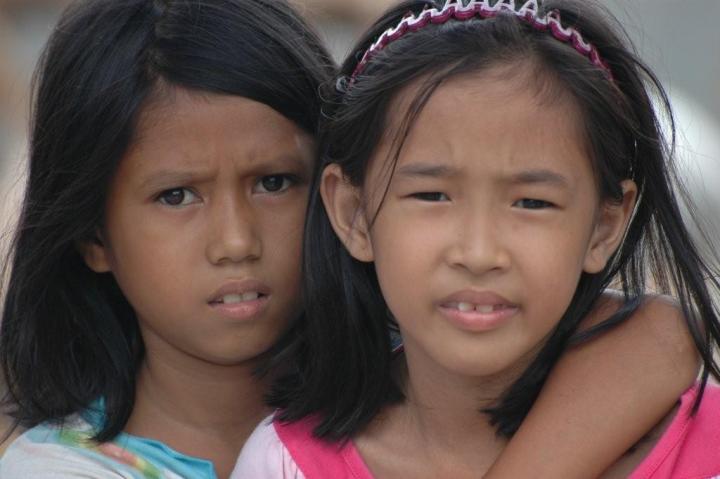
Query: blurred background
x: 678, y: 38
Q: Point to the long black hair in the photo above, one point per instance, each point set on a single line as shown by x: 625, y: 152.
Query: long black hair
x: 344, y: 351
x: 68, y: 335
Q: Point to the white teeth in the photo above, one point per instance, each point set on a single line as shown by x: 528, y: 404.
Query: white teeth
x: 465, y: 307
x: 250, y: 296
x: 232, y: 298
x: 479, y: 308
x: 239, y: 298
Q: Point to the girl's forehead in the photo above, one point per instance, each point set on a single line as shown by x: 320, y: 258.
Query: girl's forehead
x: 481, y: 110
x: 179, y: 114
x: 500, y: 83
x: 200, y: 132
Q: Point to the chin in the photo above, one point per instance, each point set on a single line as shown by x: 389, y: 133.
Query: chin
x: 481, y: 365
x: 235, y: 355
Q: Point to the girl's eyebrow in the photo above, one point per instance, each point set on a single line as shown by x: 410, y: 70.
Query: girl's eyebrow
x: 170, y: 177
x: 539, y: 176
x: 426, y: 170
x: 175, y: 176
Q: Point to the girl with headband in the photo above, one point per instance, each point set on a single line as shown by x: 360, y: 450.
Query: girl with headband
x: 488, y: 170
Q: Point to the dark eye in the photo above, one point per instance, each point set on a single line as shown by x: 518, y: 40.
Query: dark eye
x: 430, y: 196
x: 177, y: 197
x: 273, y: 184
x: 532, y: 204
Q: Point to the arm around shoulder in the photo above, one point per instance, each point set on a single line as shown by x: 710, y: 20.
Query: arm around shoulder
x: 605, y: 394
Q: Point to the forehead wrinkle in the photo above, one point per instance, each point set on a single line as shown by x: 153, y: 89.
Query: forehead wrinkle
x: 539, y: 176
x: 177, y: 176
x: 425, y: 170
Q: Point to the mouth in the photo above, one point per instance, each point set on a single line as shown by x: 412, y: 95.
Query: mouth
x: 465, y: 307
x: 477, y: 311
x: 237, y: 298
x: 241, y: 300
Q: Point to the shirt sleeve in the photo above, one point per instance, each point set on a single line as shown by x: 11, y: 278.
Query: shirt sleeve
x: 264, y: 456
x: 25, y: 459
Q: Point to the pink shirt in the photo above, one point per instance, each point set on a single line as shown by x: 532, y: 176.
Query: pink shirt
x: 689, y: 449
x: 690, y: 446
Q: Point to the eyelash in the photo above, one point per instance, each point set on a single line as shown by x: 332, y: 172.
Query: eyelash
x: 288, y: 181
x: 430, y: 196
x: 524, y: 203
x: 162, y: 197
x: 536, y: 204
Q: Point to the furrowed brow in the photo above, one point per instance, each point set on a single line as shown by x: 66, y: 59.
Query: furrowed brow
x: 169, y: 178
x: 540, y: 176
x: 426, y: 171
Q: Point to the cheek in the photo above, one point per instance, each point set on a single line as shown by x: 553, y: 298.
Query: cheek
x: 412, y: 236
x: 156, y: 275
x: 281, y: 232
x: 404, y: 259
x: 156, y: 256
x: 163, y: 244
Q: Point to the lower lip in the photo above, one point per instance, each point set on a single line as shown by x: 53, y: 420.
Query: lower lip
x: 478, y: 322
x: 243, y: 311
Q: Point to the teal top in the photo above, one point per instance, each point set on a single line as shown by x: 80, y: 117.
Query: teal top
x: 58, y: 451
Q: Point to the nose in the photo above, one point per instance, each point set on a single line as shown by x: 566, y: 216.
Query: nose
x: 232, y: 235
x: 478, y: 244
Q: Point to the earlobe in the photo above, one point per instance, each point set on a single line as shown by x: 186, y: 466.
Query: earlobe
x: 344, y: 208
x: 610, y: 229
x: 95, y: 254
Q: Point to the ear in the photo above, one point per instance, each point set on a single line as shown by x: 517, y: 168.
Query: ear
x: 343, y: 204
x: 610, y: 228
x: 95, y: 254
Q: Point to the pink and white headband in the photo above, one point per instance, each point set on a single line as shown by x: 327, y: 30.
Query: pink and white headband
x: 454, y: 9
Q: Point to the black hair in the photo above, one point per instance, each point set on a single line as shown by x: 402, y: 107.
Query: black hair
x: 68, y: 334
x: 343, y: 373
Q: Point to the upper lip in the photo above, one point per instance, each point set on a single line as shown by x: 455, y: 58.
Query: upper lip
x: 478, y: 298
x: 239, y: 287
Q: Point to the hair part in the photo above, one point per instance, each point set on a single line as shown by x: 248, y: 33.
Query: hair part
x: 69, y: 336
x: 343, y: 374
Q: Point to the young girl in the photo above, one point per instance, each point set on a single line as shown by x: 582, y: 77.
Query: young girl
x: 488, y: 171
x: 157, y: 257
x: 158, y: 254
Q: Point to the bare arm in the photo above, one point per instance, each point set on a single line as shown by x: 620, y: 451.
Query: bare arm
x: 603, y: 396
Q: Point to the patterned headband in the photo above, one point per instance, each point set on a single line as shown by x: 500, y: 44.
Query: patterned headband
x: 454, y: 9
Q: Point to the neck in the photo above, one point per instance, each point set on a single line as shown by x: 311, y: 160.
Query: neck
x: 444, y: 408
x: 198, y: 408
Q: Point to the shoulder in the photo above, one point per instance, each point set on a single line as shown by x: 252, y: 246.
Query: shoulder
x: 290, y: 449
x: 265, y: 455
x: 67, y: 450
x: 40, y: 453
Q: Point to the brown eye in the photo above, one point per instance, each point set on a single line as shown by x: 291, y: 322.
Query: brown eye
x: 430, y: 196
x: 177, y: 197
x: 533, y: 204
x: 274, y: 184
